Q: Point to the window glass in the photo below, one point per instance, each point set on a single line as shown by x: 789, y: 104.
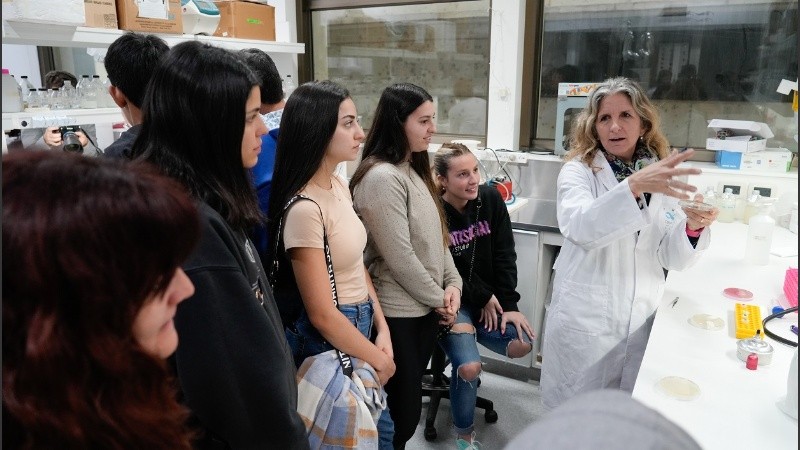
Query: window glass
x: 443, y: 48
x: 698, y: 61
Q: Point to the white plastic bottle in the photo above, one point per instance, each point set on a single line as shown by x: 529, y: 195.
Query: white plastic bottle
x: 288, y: 86
x: 12, y: 93
x: 727, y: 206
x: 752, y: 207
x: 759, y: 237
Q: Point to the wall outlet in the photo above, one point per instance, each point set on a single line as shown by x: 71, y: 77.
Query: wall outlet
x: 765, y: 189
x: 737, y: 187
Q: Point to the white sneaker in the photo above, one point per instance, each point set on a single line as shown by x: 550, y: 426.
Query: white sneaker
x: 472, y: 444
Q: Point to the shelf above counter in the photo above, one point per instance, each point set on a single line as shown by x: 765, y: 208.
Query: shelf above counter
x: 57, y: 35
x: 399, y: 53
x: 60, y: 117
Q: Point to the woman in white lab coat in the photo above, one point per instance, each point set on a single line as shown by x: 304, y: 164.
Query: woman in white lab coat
x: 618, y: 211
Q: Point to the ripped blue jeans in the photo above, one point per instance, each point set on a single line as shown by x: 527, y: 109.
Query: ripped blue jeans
x: 462, y: 348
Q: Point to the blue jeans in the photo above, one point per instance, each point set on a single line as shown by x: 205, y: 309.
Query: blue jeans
x: 461, y: 348
x: 305, y: 341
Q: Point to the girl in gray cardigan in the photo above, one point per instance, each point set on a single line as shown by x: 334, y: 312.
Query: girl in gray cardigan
x: 407, y: 255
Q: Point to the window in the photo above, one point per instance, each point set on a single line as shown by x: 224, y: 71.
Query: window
x: 697, y: 60
x: 443, y: 47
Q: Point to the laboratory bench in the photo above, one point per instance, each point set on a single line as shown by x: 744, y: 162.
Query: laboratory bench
x: 737, y: 408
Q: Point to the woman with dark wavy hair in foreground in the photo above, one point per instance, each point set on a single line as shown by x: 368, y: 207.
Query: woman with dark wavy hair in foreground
x: 91, y: 280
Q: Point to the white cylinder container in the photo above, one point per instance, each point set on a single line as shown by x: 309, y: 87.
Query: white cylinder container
x: 759, y: 238
x: 12, y: 94
x: 727, y: 206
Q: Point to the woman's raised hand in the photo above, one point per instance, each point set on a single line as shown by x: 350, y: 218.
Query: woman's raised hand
x: 659, y: 177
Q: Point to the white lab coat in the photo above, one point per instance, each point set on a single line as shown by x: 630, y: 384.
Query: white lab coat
x: 608, y: 280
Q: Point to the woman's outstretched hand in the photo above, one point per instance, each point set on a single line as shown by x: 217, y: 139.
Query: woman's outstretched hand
x: 659, y: 177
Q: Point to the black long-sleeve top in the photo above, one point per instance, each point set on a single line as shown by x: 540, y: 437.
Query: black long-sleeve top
x: 488, y: 233
x: 234, y: 367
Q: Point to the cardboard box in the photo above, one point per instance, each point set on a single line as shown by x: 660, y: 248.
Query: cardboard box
x: 101, y: 13
x: 770, y: 160
x: 739, y: 134
x: 153, y: 19
x: 246, y: 20
x: 62, y: 12
x: 728, y: 160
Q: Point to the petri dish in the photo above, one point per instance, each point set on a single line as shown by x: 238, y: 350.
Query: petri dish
x: 707, y: 322
x: 678, y: 388
x: 738, y: 294
x: 695, y: 205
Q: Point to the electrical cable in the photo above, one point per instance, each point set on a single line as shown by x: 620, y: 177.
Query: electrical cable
x: 773, y: 335
x: 499, y: 163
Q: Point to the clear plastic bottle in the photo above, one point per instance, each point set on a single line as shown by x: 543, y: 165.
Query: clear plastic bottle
x: 288, y: 86
x: 710, y: 197
x: 97, y: 84
x: 108, y: 101
x: 70, y: 95
x: 26, y: 85
x: 727, y: 206
x: 12, y: 93
x: 56, y: 99
x: 32, y: 99
x: 44, y: 98
x: 753, y: 204
x: 88, y: 93
x: 84, y: 80
x: 759, y: 236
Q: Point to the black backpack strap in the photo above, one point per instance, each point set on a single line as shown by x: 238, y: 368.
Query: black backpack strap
x: 344, y: 358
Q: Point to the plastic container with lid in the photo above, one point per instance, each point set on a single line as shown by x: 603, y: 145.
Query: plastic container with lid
x: 288, y: 86
x: 710, y: 196
x: 12, y: 94
x: 25, y: 85
x: 727, y: 206
x: 753, y: 203
x: 759, y: 236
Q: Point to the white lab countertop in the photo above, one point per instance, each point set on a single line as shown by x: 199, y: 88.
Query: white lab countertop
x: 737, y: 408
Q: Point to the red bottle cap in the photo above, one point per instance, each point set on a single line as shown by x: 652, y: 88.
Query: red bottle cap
x: 752, y: 361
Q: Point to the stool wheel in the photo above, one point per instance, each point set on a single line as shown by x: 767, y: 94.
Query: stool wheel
x: 490, y: 416
x: 430, y: 432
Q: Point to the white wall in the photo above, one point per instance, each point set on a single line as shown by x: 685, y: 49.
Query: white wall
x: 22, y: 60
x: 505, y: 74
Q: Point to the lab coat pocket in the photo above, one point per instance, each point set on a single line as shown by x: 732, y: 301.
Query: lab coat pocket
x: 584, y: 307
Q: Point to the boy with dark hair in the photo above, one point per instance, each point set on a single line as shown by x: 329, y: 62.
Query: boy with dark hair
x: 56, y: 79
x: 272, y: 103
x: 130, y: 61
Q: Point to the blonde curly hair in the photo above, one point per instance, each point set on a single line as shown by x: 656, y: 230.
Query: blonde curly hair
x: 584, y: 141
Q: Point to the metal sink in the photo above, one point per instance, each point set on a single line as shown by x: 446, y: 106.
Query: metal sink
x: 541, y: 213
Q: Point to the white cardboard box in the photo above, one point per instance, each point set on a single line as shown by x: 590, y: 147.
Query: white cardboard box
x: 772, y: 160
x: 65, y: 12
x: 739, y: 138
